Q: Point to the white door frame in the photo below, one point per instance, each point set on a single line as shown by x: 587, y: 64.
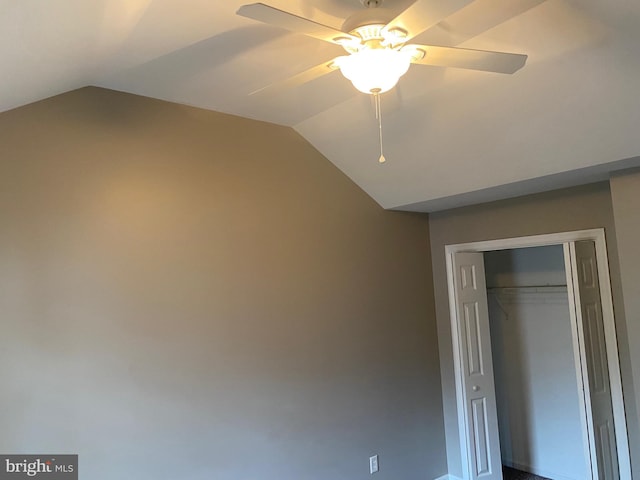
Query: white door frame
x: 598, y: 237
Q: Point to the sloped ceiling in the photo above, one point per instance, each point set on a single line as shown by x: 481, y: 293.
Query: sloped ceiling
x: 452, y: 137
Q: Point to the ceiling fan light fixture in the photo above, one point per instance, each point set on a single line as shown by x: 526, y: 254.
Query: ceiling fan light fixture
x: 415, y: 52
x: 394, y: 36
x: 374, y: 70
x: 348, y: 43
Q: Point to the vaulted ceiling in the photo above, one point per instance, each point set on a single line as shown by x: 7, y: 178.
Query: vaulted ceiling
x: 452, y: 137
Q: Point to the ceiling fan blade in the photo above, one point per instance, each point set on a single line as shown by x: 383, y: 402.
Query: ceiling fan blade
x: 424, y: 14
x: 298, y: 79
x: 294, y: 23
x: 484, y: 60
x: 475, y: 19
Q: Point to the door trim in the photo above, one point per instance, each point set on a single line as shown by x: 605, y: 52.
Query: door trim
x: 598, y: 237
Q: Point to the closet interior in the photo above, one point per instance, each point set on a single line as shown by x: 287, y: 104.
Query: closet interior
x: 536, y: 377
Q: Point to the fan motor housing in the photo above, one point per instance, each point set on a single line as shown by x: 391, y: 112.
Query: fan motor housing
x: 370, y: 16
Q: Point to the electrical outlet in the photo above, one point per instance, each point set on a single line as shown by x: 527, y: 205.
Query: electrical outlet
x: 373, y: 464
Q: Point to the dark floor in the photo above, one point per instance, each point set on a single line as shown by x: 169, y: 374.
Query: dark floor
x: 513, y: 474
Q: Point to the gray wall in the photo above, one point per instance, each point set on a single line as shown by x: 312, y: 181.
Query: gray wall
x: 625, y: 193
x: 577, y: 208
x: 187, y: 294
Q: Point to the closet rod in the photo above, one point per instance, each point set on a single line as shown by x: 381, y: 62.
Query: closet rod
x: 527, y: 286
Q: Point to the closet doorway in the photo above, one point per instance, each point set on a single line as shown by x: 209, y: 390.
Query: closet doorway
x: 536, y: 381
x: 535, y: 355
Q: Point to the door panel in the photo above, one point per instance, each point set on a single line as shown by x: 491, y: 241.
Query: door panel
x: 478, y: 391
x: 480, y: 434
x: 607, y: 466
x: 472, y: 332
x: 591, y: 332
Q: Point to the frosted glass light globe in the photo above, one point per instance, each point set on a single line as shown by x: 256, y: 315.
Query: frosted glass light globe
x: 374, y: 70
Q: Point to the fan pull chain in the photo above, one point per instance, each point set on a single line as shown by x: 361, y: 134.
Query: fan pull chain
x: 376, y: 97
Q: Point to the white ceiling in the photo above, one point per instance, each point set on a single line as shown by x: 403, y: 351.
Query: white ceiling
x: 452, y: 137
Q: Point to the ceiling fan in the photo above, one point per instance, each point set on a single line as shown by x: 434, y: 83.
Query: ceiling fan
x: 376, y: 44
x: 377, y: 50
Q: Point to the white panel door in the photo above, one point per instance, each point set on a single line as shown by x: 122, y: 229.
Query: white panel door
x: 478, y: 391
x: 602, y: 438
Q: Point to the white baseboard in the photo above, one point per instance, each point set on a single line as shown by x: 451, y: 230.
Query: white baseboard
x: 448, y: 477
